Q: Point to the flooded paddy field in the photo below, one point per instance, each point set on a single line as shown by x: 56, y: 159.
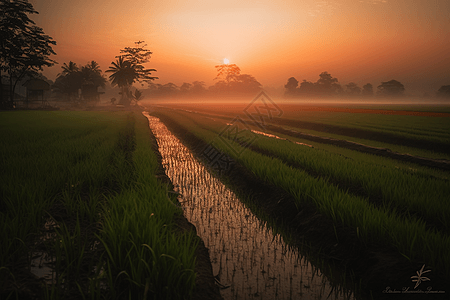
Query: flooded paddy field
x: 249, y: 260
x: 360, y: 194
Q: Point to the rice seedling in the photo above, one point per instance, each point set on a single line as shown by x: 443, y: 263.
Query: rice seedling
x: 75, y: 168
x: 247, y: 256
x: 375, y: 224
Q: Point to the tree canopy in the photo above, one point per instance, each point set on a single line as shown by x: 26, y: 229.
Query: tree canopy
x: 87, y: 79
x: 291, y: 87
x: 24, y: 47
x: 391, y: 88
x: 129, y: 68
x: 326, y: 85
x: 231, y: 81
x: 444, y: 92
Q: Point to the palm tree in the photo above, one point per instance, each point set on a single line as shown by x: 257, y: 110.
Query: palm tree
x: 92, y: 78
x: 69, y: 69
x: 124, y: 74
x: 69, y: 80
x: 93, y: 66
x: 92, y: 74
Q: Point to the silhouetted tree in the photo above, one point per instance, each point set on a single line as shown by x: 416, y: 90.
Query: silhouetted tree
x: 24, y: 48
x: 291, y: 87
x: 352, y: 89
x: 123, y: 75
x: 92, y: 79
x: 69, y: 68
x: 327, y: 85
x: 219, y: 87
x: 227, y: 72
x: 69, y: 81
x: 185, y: 87
x: 87, y: 79
x: 367, y: 90
x: 129, y: 69
x: 233, y: 82
x: 198, y: 87
x: 307, y: 88
x: 244, y: 83
x: 444, y: 92
x: 391, y: 88
x: 168, y: 89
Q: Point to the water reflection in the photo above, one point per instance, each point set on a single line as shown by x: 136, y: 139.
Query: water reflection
x: 277, y: 137
x: 249, y: 260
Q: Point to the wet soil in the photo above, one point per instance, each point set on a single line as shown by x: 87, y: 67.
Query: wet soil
x: 378, y: 270
x: 205, y: 283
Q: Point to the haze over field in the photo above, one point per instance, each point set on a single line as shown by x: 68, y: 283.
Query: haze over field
x: 357, y: 41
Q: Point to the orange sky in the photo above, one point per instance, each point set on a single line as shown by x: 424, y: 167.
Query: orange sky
x: 354, y: 40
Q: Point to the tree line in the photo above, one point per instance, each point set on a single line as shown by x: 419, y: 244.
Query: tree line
x: 328, y: 86
x: 229, y: 82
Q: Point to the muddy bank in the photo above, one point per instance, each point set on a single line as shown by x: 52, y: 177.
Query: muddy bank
x: 205, y: 286
x: 376, y: 269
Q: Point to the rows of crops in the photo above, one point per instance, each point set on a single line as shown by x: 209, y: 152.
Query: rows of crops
x: 81, y: 203
x: 383, y: 204
x: 396, y: 132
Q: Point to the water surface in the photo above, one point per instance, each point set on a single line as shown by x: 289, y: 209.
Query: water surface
x: 249, y: 260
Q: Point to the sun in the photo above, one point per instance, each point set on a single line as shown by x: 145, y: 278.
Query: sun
x: 226, y: 61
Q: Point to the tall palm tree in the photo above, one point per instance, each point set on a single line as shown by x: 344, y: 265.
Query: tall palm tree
x: 69, y: 68
x: 92, y: 74
x: 69, y: 80
x: 124, y: 74
x: 93, y: 66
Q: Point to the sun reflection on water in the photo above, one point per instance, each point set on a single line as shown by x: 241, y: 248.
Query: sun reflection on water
x: 249, y: 260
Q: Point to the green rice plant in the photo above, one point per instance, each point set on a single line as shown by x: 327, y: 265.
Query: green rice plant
x: 433, y: 129
x: 398, y: 190
x: 70, y: 248
x: 375, y: 224
x: 146, y: 256
x: 49, y: 158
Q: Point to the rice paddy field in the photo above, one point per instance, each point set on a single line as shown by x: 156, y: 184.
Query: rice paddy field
x: 292, y: 202
x: 83, y: 213
x: 380, y: 176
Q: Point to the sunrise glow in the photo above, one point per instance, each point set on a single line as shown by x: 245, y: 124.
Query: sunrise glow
x: 355, y: 41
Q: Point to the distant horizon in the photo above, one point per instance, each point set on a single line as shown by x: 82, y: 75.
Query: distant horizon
x: 355, y: 41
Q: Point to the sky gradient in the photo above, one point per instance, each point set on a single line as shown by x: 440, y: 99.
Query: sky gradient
x: 357, y: 41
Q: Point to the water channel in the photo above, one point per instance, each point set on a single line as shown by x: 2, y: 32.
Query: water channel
x: 250, y: 261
